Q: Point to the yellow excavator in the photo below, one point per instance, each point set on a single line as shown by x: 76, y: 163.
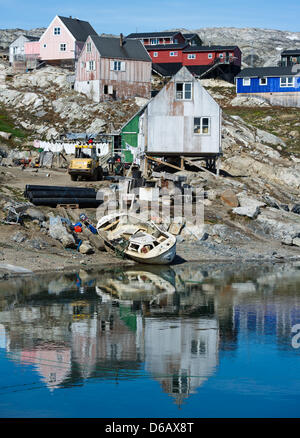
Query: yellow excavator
x: 85, y: 164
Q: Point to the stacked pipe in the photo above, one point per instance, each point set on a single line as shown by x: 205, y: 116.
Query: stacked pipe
x: 54, y: 195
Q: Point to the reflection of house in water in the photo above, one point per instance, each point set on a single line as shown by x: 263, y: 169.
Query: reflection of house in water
x: 181, y: 353
x: 172, y: 322
x: 39, y: 336
x: 273, y: 318
x: 51, y: 362
x: 105, y: 342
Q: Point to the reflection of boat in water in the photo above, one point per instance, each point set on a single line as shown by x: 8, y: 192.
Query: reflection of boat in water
x: 143, y: 242
x: 134, y: 283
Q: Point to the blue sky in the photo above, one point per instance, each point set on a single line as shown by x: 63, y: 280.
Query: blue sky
x: 117, y: 16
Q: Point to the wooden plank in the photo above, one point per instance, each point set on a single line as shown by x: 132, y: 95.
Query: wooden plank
x: 157, y: 160
x: 200, y: 167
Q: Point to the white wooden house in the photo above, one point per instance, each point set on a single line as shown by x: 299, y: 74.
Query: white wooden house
x: 183, y: 119
x: 17, y: 48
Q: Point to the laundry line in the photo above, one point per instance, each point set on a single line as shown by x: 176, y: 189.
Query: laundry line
x: 102, y: 149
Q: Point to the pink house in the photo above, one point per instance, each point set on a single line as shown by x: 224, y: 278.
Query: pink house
x: 113, y: 68
x: 63, y: 40
x: 32, y: 49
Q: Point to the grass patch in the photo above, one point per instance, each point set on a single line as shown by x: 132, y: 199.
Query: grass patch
x: 281, y: 122
x: 15, y: 193
x: 7, y: 125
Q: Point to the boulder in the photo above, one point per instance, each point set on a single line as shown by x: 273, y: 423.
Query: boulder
x: 59, y: 232
x: 96, y: 126
x: 86, y: 248
x: 34, y: 213
x: 271, y: 202
x: 279, y: 224
x: 284, y: 207
x: 67, y: 241
x: 19, y: 237
x: 267, y: 137
x: 249, y: 101
x: 296, y: 209
x: 249, y: 207
x: 296, y: 241
x: 295, y: 134
x: 5, y: 135
x: 251, y: 211
x: 229, y: 198
x: 287, y: 240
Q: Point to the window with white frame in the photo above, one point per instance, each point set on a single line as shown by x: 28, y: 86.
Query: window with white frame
x: 221, y: 55
x: 56, y: 31
x: 246, y: 82
x: 173, y: 53
x: 202, y: 125
x: 154, y: 41
x: 287, y: 81
x: 63, y: 47
x: 89, y: 47
x: 90, y: 65
x: 117, y: 65
x: 183, y: 90
x: 263, y: 81
x: 155, y: 54
x: 44, y: 45
x: 191, y: 56
x: 210, y: 55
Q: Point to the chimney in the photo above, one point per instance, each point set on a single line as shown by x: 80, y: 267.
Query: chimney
x: 121, y: 40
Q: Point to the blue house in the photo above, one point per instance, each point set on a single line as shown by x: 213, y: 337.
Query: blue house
x: 278, y: 85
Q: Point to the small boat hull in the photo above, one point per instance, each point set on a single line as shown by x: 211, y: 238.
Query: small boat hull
x: 161, y: 259
x: 147, y: 248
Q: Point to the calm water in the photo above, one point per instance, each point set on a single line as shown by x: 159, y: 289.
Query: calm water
x: 184, y: 341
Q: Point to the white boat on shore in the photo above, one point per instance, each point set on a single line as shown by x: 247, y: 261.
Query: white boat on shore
x: 141, y: 241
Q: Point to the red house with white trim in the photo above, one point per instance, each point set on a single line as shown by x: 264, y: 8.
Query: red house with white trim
x: 207, y: 55
x: 169, y: 51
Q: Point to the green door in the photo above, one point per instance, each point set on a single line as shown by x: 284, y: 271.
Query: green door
x: 129, y: 137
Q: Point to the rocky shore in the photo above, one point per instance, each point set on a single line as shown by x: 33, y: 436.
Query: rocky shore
x: 251, y: 210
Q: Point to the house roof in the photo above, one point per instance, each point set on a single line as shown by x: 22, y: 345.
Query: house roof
x: 198, y: 70
x: 166, y: 69
x: 291, y: 52
x: 78, y: 28
x: 28, y: 37
x: 167, y: 46
x: 188, y: 36
x: 258, y: 72
x: 109, y: 47
x: 152, y: 34
x: 170, y: 69
x: 32, y: 38
x: 209, y: 48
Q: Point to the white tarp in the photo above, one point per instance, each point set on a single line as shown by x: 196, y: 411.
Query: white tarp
x: 102, y: 149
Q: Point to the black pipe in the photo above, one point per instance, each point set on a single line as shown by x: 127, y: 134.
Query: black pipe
x: 82, y: 202
x: 61, y: 194
x: 30, y: 187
